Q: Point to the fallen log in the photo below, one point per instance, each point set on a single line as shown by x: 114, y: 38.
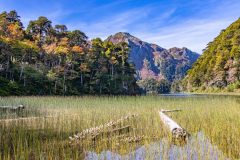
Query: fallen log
x: 99, y: 129
x: 117, y: 131
x: 13, y: 108
x: 173, y: 110
x: 121, y: 130
x: 178, y: 133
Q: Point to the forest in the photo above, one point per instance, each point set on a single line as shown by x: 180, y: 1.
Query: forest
x: 218, y: 68
x: 43, y: 59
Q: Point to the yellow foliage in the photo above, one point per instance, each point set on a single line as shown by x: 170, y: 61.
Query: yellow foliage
x: 113, y: 60
x: 30, y: 44
x: 5, y: 39
x: 61, y: 50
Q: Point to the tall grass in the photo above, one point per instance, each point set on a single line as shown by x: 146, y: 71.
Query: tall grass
x: 218, y: 117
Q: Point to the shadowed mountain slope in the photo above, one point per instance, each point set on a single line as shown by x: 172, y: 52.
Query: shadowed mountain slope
x: 153, y: 61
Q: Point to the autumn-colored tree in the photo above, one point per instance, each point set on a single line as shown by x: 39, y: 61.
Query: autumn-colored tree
x: 46, y: 60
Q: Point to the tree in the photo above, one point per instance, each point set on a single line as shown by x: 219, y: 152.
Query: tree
x: 13, y: 17
x: 60, y: 28
x: 11, y: 25
x: 123, y: 55
x: 53, y: 60
x: 77, y: 38
x: 217, y: 67
x: 39, y: 29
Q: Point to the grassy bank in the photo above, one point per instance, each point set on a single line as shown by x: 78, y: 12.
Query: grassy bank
x: 218, y: 117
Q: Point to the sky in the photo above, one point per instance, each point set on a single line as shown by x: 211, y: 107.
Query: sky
x: 168, y: 23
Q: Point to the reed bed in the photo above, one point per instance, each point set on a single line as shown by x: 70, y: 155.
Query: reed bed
x: 217, y: 117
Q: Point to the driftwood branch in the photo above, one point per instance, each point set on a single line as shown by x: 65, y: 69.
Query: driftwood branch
x: 117, y: 131
x: 178, y: 133
x: 23, y: 119
x: 12, y: 108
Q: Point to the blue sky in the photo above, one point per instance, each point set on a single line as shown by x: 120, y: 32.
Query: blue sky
x: 168, y: 23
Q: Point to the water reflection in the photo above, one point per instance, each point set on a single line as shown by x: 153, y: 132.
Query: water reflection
x: 178, y: 95
x: 197, y: 147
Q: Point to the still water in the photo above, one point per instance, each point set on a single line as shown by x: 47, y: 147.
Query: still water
x: 197, y: 147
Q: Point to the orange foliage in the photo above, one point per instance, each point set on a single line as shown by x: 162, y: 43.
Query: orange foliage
x: 14, y: 31
x: 63, y: 41
x: 77, y: 49
x: 50, y: 48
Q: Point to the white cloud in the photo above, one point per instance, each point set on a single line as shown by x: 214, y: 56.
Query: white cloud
x: 53, y: 16
x: 194, y: 34
x: 111, y: 24
x: 149, y: 23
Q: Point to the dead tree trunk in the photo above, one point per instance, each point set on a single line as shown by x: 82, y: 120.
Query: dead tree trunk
x: 178, y: 133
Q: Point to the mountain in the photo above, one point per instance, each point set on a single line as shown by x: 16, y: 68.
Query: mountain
x: 153, y: 61
x: 219, y: 66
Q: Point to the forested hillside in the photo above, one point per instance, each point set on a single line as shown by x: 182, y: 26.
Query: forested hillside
x: 51, y: 60
x: 218, y: 69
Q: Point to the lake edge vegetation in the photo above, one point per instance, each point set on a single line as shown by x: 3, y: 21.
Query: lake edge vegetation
x: 58, y: 118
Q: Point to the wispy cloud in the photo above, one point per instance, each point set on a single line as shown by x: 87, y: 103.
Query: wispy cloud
x: 112, y: 23
x: 194, y: 34
x: 181, y: 23
x: 54, y: 16
x: 197, y: 31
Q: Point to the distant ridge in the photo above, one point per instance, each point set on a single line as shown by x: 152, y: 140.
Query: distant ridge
x: 153, y: 61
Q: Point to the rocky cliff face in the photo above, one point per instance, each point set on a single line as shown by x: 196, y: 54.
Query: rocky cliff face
x: 153, y: 61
